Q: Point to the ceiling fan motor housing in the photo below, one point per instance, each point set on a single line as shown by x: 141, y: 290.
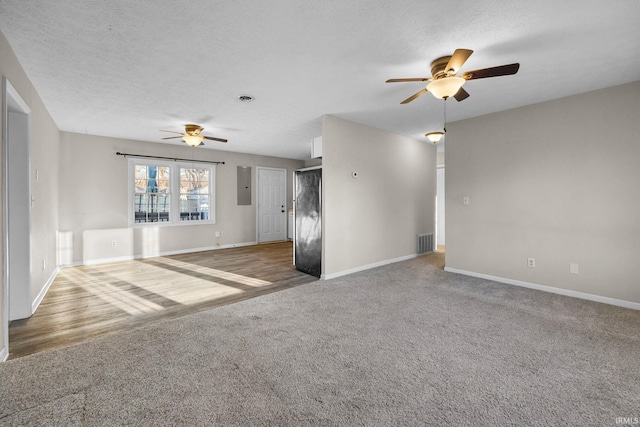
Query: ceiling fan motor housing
x: 438, y: 67
x: 192, y: 129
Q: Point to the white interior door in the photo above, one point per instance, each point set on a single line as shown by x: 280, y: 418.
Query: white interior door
x: 272, y: 204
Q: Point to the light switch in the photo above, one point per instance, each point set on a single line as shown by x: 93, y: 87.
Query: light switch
x: 465, y: 200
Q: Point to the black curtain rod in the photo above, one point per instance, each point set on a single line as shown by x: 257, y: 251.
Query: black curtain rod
x: 175, y: 159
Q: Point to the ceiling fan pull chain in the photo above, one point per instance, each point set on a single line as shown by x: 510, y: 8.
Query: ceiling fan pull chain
x: 444, y: 119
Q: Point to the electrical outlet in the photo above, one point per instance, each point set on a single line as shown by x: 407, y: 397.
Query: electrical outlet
x: 531, y: 262
x: 114, y: 243
x: 217, y: 234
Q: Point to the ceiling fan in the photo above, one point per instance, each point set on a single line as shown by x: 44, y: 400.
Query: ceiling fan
x: 192, y: 135
x: 445, y: 84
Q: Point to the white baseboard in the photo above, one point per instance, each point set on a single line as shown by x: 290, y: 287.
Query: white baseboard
x: 105, y: 260
x: 4, y: 354
x: 191, y: 250
x: 551, y: 289
x: 366, y: 267
x: 36, y: 302
x: 157, y: 254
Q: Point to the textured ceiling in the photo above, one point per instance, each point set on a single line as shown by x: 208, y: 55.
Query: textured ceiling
x: 129, y: 68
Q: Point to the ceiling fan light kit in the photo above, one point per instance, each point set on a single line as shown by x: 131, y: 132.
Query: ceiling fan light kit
x: 434, y: 136
x: 192, y: 140
x: 445, y: 87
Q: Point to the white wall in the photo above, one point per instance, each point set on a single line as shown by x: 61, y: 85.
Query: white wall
x: 556, y: 181
x: 44, y: 159
x: 375, y: 217
x: 93, y: 196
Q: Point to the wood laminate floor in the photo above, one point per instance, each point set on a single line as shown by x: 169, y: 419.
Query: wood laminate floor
x: 90, y: 301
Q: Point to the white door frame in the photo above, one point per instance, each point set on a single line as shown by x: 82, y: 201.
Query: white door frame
x: 12, y: 102
x: 284, y: 171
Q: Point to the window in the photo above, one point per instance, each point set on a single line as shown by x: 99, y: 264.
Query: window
x: 171, y: 193
x: 194, y: 194
x: 152, y: 197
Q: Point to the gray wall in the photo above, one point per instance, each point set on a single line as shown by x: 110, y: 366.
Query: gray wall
x: 375, y: 217
x: 44, y: 159
x: 94, y: 186
x: 556, y: 181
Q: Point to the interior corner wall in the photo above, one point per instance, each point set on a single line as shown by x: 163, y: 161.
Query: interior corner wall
x: 557, y: 182
x: 93, y: 197
x: 44, y: 136
x: 375, y: 217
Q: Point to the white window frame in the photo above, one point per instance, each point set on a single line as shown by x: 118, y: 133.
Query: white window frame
x: 174, y: 177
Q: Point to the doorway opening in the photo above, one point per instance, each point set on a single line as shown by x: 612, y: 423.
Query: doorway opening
x: 16, y: 214
x: 440, y: 212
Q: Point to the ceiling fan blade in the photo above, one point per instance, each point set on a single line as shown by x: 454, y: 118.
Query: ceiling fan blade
x: 502, y: 70
x: 410, y: 79
x: 170, y: 131
x: 457, y: 60
x: 215, y: 139
x: 172, y: 137
x: 461, y: 95
x: 414, y: 96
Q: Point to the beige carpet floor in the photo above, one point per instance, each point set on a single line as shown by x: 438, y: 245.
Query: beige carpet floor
x: 404, y: 344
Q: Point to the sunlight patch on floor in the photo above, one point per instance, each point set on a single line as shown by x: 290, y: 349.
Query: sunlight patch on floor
x: 220, y: 274
x: 173, y: 285
x: 109, y: 293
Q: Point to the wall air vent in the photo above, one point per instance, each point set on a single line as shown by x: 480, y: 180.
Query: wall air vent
x: 425, y: 243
